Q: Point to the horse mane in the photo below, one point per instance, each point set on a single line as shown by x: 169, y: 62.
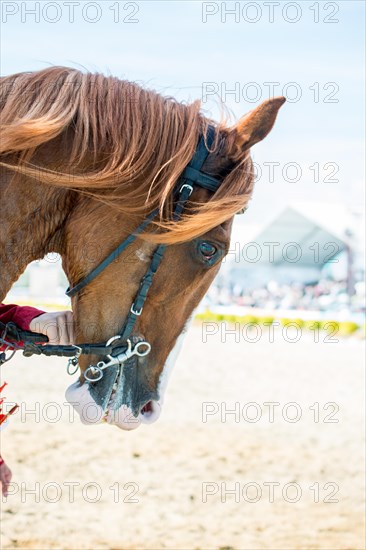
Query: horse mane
x: 127, y: 145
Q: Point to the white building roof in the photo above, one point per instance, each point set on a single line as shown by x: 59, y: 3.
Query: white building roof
x: 319, y: 232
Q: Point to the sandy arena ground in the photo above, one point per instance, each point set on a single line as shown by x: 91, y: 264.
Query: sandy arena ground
x: 149, y: 486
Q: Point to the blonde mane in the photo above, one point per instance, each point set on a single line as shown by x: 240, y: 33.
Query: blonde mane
x: 121, y: 144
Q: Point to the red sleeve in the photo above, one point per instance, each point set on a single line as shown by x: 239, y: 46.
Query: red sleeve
x: 20, y: 315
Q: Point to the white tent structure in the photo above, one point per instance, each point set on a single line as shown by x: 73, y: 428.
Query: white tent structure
x: 294, y: 246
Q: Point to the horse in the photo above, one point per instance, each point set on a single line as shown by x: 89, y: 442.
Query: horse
x: 84, y: 160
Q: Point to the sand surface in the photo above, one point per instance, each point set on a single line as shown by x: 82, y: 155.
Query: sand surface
x: 165, y: 485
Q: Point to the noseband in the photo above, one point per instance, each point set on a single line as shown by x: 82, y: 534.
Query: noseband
x: 118, y: 353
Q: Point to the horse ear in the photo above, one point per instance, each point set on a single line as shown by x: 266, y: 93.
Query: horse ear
x: 255, y: 125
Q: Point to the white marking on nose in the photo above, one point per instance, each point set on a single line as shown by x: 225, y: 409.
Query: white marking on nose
x: 171, y: 360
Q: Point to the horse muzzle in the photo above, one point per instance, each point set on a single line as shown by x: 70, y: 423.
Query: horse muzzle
x: 78, y: 395
x: 122, y: 395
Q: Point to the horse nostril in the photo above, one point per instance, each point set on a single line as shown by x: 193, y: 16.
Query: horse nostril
x: 150, y: 412
x: 147, y: 408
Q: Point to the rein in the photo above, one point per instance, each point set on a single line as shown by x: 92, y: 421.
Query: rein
x: 117, y: 353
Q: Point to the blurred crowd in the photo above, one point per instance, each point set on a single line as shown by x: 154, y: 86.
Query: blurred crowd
x: 324, y: 295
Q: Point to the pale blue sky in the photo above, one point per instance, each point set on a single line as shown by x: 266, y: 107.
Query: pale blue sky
x: 171, y: 49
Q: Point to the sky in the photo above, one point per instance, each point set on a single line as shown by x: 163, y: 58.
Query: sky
x: 311, y: 52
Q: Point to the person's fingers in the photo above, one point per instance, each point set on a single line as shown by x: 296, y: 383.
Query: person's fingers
x: 58, y: 327
x: 70, y: 326
x: 62, y: 330
x: 66, y: 328
x: 50, y: 329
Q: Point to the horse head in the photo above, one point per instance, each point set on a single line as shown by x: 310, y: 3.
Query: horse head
x: 110, y: 193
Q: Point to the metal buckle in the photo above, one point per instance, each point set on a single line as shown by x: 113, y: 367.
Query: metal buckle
x: 136, y: 312
x: 188, y: 186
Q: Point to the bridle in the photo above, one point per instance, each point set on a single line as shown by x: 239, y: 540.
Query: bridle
x: 117, y: 354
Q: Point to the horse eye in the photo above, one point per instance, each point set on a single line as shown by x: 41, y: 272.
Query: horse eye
x: 208, y: 250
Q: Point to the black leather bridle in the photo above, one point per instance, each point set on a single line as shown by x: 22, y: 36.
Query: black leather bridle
x: 121, y: 347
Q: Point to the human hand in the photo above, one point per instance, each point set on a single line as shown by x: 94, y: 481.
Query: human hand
x: 57, y: 326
